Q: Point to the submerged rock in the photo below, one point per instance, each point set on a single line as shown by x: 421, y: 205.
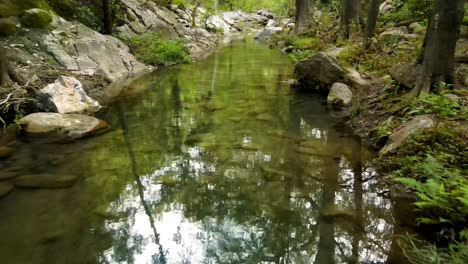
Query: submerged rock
x: 268, y: 32
x: 45, y: 181
x: 319, y: 72
x: 67, y: 96
x: 8, y: 175
x: 70, y: 126
x: 400, y: 136
x: 340, y: 96
x: 5, y: 152
x: 5, y: 189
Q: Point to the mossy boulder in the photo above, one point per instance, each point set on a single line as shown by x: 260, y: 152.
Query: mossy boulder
x: 45, y: 181
x: 36, y: 18
x: 8, y: 27
x: 10, y: 8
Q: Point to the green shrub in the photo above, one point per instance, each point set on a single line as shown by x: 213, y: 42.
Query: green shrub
x: 86, y: 16
x: 436, y: 104
x: 443, y: 190
x: 152, y: 49
x: 299, y: 55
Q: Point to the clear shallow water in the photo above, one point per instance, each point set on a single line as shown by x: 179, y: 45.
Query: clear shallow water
x: 214, y: 162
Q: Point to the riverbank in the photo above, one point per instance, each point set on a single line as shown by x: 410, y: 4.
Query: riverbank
x: 422, y: 142
x: 65, y: 47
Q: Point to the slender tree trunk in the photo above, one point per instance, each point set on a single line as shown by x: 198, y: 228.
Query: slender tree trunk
x: 439, y: 51
x: 107, y: 12
x: 194, y: 14
x: 350, y: 10
x: 302, y: 15
x: 372, y: 16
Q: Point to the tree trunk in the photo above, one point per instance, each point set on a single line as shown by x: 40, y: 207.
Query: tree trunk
x: 194, y: 14
x: 302, y: 15
x: 439, y: 51
x: 350, y: 10
x: 372, y: 15
x: 7, y: 72
x: 107, y: 13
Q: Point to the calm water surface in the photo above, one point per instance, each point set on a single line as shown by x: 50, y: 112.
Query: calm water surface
x: 214, y: 162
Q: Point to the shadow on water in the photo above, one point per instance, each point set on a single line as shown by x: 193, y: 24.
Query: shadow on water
x: 214, y: 162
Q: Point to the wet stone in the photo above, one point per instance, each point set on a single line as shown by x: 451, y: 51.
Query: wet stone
x: 5, y: 189
x: 7, y: 175
x: 5, y: 152
x: 45, y: 181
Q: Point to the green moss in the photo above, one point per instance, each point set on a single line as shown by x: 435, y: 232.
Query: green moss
x: 10, y: 8
x: 36, y: 18
x: 8, y: 27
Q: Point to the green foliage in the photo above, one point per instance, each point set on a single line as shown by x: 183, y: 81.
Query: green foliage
x: 419, y: 252
x: 443, y: 189
x: 299, y: 55
x: 152, y: 49
x: 409, y: 9
x: 436, y: 104
x: 86, y: 16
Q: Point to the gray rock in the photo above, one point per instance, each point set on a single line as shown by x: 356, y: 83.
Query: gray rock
x: 45, y: 181
x: 417, y: 28
x: 453, y: 98
x: 319, y: 72
x: 405, y: 74
x: 271, y: 23
x: 266, y: 14
x: 394, y: 34
x: 67, y: 96
x: 86, y: 52
x: 5, y: 189
x: 401, y: 135
x: 66, y: 126
x: 340, y: 96
x: 268, y: 32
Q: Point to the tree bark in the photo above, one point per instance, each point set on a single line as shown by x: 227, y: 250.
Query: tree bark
x: 194, y: 14
x: 107, y: 13
x: 372, y: 16
x: 302, y: 15
x: 439, y: 51
x: 350, y: 10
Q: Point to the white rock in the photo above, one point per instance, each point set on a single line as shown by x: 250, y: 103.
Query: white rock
x: 66, y: 96
x: 340, y: 95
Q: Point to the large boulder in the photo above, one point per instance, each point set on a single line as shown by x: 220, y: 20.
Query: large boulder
x: 405, y: 74
x: 340, y: 96
x: 61, y: 126
x: 36, y: 18
x: 45, y: 181
x: 84, y: 51
x: 401, y: 135
x: 66, y: 96
x: 319, y: 72
x: 268, y: 32
x: 8, y: 27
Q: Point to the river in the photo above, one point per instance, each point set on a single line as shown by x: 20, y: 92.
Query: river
x: 219, y: 161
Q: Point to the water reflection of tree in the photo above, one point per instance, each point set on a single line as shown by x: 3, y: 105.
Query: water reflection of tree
x: 280, y: 216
